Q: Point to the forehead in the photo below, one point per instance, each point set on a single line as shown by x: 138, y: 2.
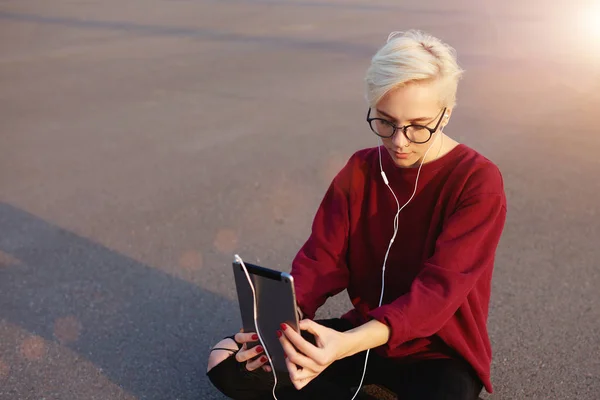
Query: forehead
x: 414, y: 100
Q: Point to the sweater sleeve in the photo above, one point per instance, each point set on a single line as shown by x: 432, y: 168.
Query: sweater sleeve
x: 319, y: 269
x: 464, y: 250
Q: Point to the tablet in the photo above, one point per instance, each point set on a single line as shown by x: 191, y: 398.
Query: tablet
x: 276, y: 302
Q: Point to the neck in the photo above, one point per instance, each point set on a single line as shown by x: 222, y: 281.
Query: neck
x: 433, y: 153
x: 446, y: 144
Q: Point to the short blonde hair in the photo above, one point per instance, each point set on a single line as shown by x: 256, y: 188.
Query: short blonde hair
x: 413, y: 56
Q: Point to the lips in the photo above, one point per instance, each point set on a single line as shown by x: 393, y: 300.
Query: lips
x: 398, y: 155
x: 401, y: 155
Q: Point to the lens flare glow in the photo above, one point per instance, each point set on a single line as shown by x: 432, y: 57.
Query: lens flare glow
x: 591, y: 20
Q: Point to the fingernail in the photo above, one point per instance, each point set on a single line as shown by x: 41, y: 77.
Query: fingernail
x: 255, y: 337
x: 284, y: 355
x: 263, y: 359
x: 279, y: 334
x: 283, y: 326
x: 259, y: 349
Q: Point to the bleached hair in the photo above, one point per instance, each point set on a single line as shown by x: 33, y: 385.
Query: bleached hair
x: 413, y: 56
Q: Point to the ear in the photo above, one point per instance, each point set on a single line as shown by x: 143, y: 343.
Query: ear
x: 446, y: 117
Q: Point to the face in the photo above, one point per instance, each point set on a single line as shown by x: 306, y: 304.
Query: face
x: 415, y: 103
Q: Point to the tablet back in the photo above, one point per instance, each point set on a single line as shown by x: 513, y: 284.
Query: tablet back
x: 276, y: 301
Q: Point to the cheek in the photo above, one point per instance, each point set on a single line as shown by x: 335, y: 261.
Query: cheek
x: 387, y: 142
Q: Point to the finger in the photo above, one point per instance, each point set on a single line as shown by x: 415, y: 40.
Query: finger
x: 257, y: 363
x: 299, y: 342
x: 242, y: 337
x: 247, y: 354
x: 310, y: 326
x: 300, y: 377
x: 294, y: 356
x: 299, y: 384
x: 267, y: 368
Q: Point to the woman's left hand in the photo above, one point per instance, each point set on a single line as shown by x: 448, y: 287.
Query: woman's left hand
x: 306, y: 361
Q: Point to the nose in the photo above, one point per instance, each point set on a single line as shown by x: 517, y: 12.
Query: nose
x: 399, y: 140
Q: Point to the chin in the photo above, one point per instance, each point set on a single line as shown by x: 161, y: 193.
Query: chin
x: 408, y: 163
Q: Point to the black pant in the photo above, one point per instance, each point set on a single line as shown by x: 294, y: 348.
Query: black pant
x: 440, y: 379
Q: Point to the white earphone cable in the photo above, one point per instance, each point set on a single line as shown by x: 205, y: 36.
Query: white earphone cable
x: 398, y: 214
x: 396, y: 217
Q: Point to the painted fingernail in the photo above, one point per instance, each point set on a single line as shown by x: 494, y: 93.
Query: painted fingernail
x: 263, y: 359
x: 279, y: 334
x: 284, y: 355
x: 255, y: 337
x: 259, y: 349
x: 283, y: 326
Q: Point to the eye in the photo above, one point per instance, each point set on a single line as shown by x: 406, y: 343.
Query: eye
x: 418, y: 133
x: 384, y: 124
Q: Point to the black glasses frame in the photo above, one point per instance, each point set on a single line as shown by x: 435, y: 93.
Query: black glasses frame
x: 403, y: 128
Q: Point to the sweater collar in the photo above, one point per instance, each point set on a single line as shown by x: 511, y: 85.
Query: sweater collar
x: 428, y: 168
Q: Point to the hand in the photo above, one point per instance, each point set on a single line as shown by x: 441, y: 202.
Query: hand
x: 304, y: 360
x: 251, y: 355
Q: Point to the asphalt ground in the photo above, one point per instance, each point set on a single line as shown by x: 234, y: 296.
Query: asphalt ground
x: 142, y: 144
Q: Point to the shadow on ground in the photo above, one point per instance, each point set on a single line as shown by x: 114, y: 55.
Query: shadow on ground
x: 146, y: 331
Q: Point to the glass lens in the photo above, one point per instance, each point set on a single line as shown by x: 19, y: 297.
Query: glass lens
x: 382, y: 127
x: 417, y: 133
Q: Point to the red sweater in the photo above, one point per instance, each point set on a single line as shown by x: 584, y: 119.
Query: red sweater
x: 439, y: 270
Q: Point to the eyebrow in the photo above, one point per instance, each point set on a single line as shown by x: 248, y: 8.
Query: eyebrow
x: 420, y: 119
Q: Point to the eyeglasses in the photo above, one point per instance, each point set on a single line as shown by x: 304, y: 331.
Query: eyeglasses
x: 418, y: 134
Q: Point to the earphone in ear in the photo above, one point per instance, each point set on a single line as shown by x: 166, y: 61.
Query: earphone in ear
x: 446, y: 118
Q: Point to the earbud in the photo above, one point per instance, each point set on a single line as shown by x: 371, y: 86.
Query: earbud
x: 446, y: 118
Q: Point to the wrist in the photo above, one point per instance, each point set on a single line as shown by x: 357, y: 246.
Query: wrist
x: 368, y: 336
x: 348, y: 345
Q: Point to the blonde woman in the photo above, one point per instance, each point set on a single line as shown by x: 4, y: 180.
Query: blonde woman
x: 410, y: 229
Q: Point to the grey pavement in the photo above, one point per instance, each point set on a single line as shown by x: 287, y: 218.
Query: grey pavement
x: 143, y: 143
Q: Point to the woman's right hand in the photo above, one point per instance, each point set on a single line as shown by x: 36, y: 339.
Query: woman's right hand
x: 254, y: 357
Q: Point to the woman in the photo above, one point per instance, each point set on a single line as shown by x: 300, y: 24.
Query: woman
x: 419, y: 216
